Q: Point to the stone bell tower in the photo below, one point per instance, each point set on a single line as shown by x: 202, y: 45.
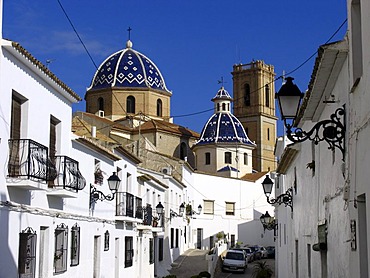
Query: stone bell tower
x: 254, y: 106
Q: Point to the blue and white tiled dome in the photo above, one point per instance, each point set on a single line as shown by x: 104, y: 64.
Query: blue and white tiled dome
x: 128, y: 68
x: 223, y: 127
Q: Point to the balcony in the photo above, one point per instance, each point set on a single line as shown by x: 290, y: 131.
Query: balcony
x: 68, y: 180
x: 29, y: 165
x: 125, y: 204
x: 149, y: 220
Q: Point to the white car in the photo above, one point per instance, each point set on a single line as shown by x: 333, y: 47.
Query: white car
x: 235, y: 260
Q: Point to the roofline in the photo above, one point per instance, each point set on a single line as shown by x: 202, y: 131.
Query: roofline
x: 21, y: 53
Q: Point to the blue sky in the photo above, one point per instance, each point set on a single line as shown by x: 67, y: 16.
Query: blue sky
x: 193, y: 42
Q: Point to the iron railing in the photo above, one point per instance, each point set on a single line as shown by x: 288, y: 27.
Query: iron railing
x: 125, y: 204
x: 69, y: 176
x: 30, y: 159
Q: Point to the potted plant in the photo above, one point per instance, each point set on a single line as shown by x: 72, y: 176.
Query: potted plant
x: 262, y: 270
x: 98, y: 176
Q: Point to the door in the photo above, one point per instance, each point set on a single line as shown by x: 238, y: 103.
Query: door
x: 199, y: 238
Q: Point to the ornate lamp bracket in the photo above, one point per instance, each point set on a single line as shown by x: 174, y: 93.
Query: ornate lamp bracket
x: 332, y: 131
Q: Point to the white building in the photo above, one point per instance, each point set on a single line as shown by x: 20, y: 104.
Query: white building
x: 329, y: 185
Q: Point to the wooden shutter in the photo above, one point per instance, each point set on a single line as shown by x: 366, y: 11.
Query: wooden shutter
x: 15, y: 131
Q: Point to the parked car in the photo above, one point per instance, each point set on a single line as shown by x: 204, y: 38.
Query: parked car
x: 256, y: 254
x: 248, y: 253
x: 234, y: 260
x: 270, y: 251
x: 263, y: 251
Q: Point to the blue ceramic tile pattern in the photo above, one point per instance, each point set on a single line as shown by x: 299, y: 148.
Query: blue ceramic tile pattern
x: 128, y: 68
x: 223, y: 128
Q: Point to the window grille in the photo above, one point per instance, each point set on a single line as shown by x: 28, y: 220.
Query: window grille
x: 75, y: 245
x: 61, y: 245
x: 129, y: 251
x: 106, y: 241
x: 27, y: 253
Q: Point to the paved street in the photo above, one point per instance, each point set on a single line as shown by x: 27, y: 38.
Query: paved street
x: 193, y: 261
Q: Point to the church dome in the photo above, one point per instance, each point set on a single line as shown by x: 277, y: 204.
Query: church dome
x: 223, y: 126
x: 128, y: 68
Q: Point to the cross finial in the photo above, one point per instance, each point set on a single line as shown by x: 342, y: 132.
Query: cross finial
x: 129, y: 33
x: 221, y: 81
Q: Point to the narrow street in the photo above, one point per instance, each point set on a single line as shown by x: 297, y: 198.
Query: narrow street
x: 193, y: 261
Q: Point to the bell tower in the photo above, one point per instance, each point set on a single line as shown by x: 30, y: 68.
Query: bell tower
x: 254, y: 106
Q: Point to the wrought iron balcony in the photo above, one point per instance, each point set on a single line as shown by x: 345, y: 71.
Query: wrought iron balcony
x: 29, y: 159
x: 125, y: 204
x: 69, y: 176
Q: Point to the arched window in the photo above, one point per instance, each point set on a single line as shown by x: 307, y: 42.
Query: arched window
x: 101, y: 104
x: 130, y: 104
x: 267, y: 95
x: 183, y: 151
x: 159, y: 108
x: 218, y: 107
x: 247, y: 95
x: 223, y: 107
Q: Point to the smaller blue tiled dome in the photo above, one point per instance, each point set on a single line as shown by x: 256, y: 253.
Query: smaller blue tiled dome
x: 222, y: 126
x: 128, y: 68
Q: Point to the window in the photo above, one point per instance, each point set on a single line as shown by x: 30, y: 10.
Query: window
x: 267, y: 95
x: 160, y: 249
x: 177, y: 238
x: 159, y: 108
x: 230, y: 208
x: 223, y: 106
x: 129, y: 251
x: 106, y: 241
x: 208, y: 158
x: 15, y: 131
x: 218, y: 107
x: 61, y: 245
x: 208, y: 207
x: 268, y: 134
x: 172, y: 237
x: 130, y: 104
x: 245, y: 158
x: 75, y: 245
x: 247, y: 95
x: 228, y: 157
x: 27, y: 253
x: 183, y: 151
x: 98, y: 173
x: 101, y: 104
x: 53, y: 136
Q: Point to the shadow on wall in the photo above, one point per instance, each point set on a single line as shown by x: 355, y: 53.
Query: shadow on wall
x: 8, y: 264
x: 252, y: 233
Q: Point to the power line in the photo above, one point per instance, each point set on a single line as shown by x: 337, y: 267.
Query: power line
x: 74, y: 29
x: 276, y: 79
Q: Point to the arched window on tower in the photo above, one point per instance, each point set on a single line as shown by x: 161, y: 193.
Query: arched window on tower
x: 159, y: 108
x: 223, y: 106
x: 218, y: 107
x: 183, y: 151
x: 101, y: 104
x: 130, y: 104
x: 247, y: 95
x: 267, y: 95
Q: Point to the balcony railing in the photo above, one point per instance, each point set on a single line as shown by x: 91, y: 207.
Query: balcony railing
x: 69, y: 176
x: 30, y: 159
x: 125, y: 204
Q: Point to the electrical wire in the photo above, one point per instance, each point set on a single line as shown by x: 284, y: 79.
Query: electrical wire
x: 78, y: 36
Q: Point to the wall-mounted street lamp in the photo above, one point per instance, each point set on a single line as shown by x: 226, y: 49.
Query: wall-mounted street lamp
x: 189, y: 209
x: 268, y: 222
x: 175, y: 214
x: 332, y: 130
x: 285, y: 198
x: 113, y: 183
